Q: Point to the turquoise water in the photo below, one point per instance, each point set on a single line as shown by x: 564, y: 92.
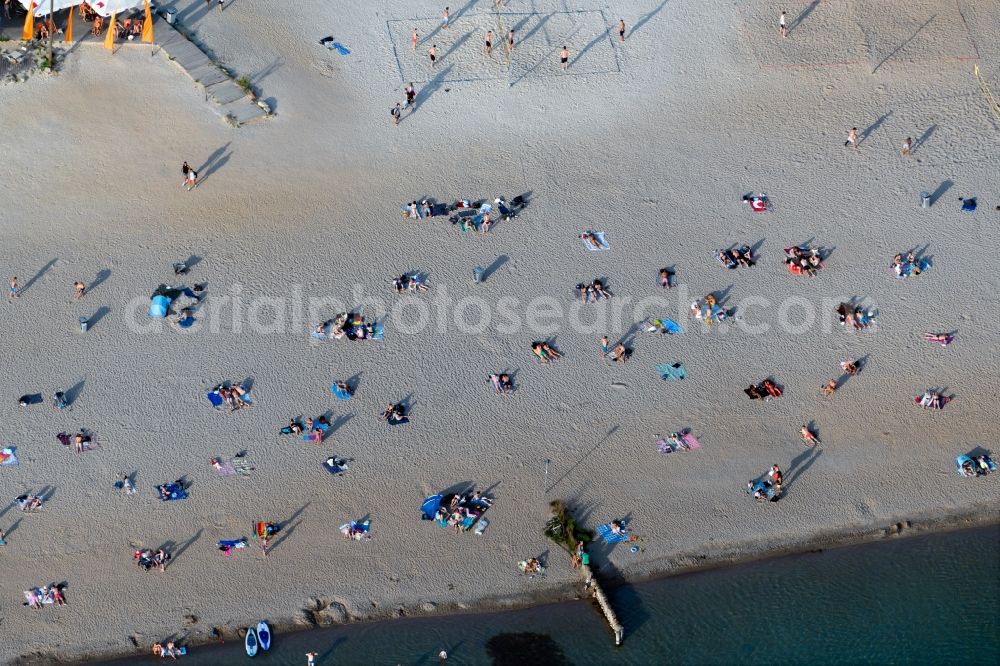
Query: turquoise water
x: 931, y: 599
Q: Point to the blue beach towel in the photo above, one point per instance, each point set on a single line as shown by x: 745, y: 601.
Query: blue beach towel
x: 341, y: 394
x: 215, y: 399
x: 340, y: 48
x: 969, y: 205
x: 174, y: 491
x: 606, y: 533
x: 669, y: 371
x: 378, y: 332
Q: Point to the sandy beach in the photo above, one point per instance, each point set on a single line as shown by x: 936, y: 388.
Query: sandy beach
x: 652, y: 142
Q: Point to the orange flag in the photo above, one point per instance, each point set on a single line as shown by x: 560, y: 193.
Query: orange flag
x: 69, y: 26
x: 29, y: 24
x: 109, y: 39
x: 147, y: 25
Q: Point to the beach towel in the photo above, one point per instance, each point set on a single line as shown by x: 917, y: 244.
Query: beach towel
x: 483, y: 524
x: 690, y: 441
x: 215, y: 399
x: 670, y: 371
x: 606, y: 533
x: 355, y: 530
x: 225, y: 469
x: 187, y: 322
x: 242, y: 465
x: 670, y: 326
x: 30, y: 399
x: 664, y: 446
x: 340, y: 48
x: 378, y: 332
x: 337, y: 466
x: 969, y: 205
x: 171, y: 492
x: 232, y: 543
x: 470, y: 520
x: 64, y: 439
x: 8, y: 456
x: 340, y: 393
x: 600, y: 239
x: 313, y: 436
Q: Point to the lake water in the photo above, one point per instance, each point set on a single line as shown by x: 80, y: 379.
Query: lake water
x: 932, y: 599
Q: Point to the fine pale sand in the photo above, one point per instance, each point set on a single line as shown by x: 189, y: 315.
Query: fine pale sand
x: 652, y: 142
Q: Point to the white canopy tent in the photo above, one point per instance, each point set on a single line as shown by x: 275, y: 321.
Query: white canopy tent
x: 102, y: 7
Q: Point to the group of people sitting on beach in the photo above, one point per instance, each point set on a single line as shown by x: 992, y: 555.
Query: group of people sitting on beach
x: 502, y: 382
x: 395, y: 414
x: 849, y: 367
x: 462, y: 511
x: 233, y: 396
x: 854, y: 316
x: 904, y: 267
x: 169, y: 650
x: 933, y: 400
x: 803, y: 259
x: 147, y: 558
x: 37, y: 597
x: 313, y: 429
x: 593, y: 290
x: 768, y: 487
x: 80, y: 442
x: 346, y: 324
x: 736, y: 257
x: 123, y: 28
x: 28, y: 503
x: 979, y: 466
x: 708, y: 310
x: 765, y: 390
x: 410, y: 282
x: 544, y: 351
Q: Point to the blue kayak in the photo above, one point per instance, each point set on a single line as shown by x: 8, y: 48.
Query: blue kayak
x: 251, y: 642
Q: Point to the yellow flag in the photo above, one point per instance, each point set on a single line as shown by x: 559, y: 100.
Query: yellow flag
x: 147, y: 25
x: 109, y: 39
x: 69, y: 26
x: 29, y: 24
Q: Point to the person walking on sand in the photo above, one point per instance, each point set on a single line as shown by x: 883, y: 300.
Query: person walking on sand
x: 510, y: 41
x: 621, y: 30
x: 411, y: 96
x: 782, y: 28
x: 433, y: 53
x: 3, y: 538
x: 311, y: 658
x: 192, y: 179
x: 185, y: 170
x: 15, y: 291
x: 564, y: 58
x: 396, y: 112
x: 852, y: 138
x: 444, y: 18
x: 908, y: 147
x: 414, y: 38
x: 222, y: 5
x: 488, y: 48
x: 605, y: 345
x: 79, y: 289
